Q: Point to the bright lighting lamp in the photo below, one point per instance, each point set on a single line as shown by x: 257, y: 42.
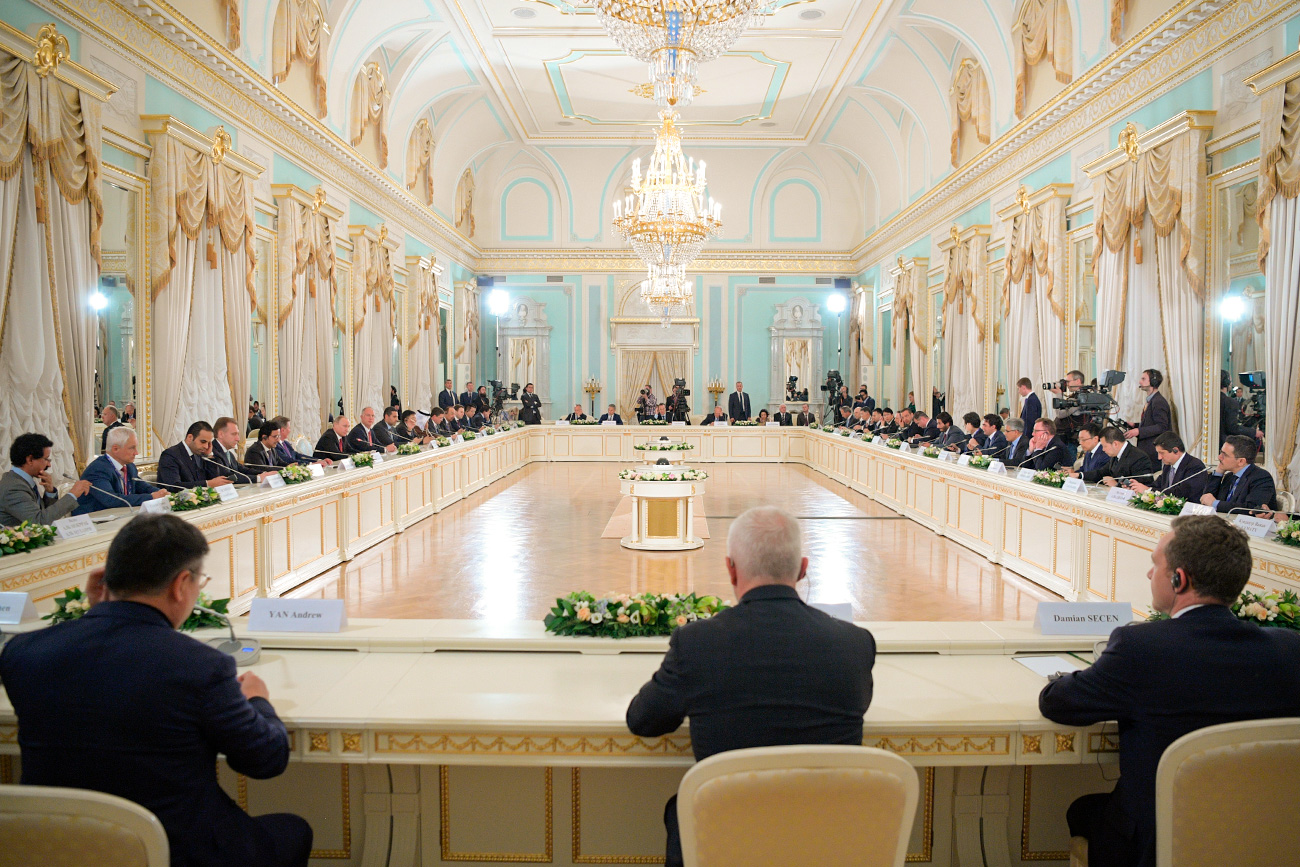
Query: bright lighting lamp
x: 835, y: 303
x: 498, y: 301
x: 1232, y: 308
x: 98, y: 301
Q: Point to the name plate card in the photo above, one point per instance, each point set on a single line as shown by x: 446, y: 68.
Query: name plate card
x: 458, y: 439
x: 963, y: 460
x: 379, y: 459
x: 1254, y: 526
x: 907, y: 449
x: 347, y: 464
x: 1079, y: 618
x: 17, y: 607
x: 1026, y: 474
x: 1075, y: 486
x: 947, y: 456
x: 161, y: 505
x: 317, y: 471
x: 74, y: 527
x: 1119, y: 495
x: 879, y: 441
x: 273, y: 481
x: 226, y: 492
x: 998, y: 467
x: 1196, y: 509
x: 559, y: 422
x: 297, y: 615
x: 773, y: 424
x: 679, y: 424
x: 608, y: 423
x: 838, y: 610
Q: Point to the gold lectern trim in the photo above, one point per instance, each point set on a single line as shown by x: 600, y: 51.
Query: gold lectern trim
x: 927, y: 823
x: 661, y: 519
x: 444, y: 814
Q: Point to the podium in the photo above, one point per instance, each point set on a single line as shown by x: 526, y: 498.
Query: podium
x: 663, y: 515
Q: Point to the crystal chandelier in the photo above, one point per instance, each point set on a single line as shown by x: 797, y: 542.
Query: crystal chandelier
x: 675, y: 36
x: 666, y: 289
x: 666, y: 218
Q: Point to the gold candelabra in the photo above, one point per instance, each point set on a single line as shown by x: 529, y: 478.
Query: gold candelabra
x: 716, y: 388
x: 592, y: 388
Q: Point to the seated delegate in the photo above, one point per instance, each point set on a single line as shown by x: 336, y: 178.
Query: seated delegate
x: 27, y: 490
x: 113, y: 479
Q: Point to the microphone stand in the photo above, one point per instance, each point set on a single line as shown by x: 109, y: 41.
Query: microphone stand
x: 246, y: 651
x: 118, y: 497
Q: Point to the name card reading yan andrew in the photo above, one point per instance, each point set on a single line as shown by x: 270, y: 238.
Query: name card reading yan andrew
x: 1080, y: 618
x: 297, y: 615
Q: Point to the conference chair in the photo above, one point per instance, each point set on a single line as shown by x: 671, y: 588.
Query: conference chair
x: 56, y: 827
x: 799, y: 806
x: 1286, y: 501
x: 1230, y: 794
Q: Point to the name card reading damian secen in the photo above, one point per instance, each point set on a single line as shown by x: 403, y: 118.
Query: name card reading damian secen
x: 75, y: 527
x: 1079, y: 618
x: 297, y: 615
x: 16, y: 608
x: 1075, y: 486
x: 1119, y: 495
x: 1257, y: 527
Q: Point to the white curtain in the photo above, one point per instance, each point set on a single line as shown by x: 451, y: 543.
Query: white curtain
x: 909, y: 301
x: 423, y: 389
x: 308, y: 288
x: 1111, y: 267
x: 373, y: 324
x: 1034, y: 294
x: 963, y: 325
x: 634, y: 374
x: 204, y: 381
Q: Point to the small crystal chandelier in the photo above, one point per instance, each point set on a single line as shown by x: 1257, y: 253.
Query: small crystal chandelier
x: 664, y: 290
x: 666, y: 218
x: 675, y: 36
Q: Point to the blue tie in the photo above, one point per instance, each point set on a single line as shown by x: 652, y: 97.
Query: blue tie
x: 1233, y: 489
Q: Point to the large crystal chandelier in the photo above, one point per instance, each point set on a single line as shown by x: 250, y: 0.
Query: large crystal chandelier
x: 675, y: 36
x: 665, y: 290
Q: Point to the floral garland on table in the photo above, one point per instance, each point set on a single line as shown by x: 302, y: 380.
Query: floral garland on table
x: 828, y: 428
x: 489, y: 431
x: 624, y: 616
x: 408, y: 449
x: 981, y: 462
x: 73, y: 604
x: 930, y: 452
x: 892, y: 443
x: 295, y: 474
x: 663, y: 447
x: 364, y: 459
x: 1280, y: 610
x: 469, y: 435
x: 1289, y: 533
x: 583, y: 421
x: 752, y: 422
x: 663, y: 476
x: 844, y: 432
x: 25, y: 537
x: 1162, y: 504
x: 655, y: 421
x: 1050, y: 478
x: 442, y: 442
x: 193, y: 498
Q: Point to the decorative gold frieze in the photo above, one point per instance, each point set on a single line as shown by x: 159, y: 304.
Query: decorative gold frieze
x: 1065, y: 743
x: 320, y: 742
x: 517, y: 745
x: 943, y: 745
x: 1032, y: 744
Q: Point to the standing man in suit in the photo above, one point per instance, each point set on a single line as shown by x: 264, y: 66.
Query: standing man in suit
x: 114, y: 481
x: 226, y: 439
x: 1126, y: 462
x: 467, y: 396
x: 783, y: 417
x: 27, y: 492
x: 1047, y: 451
x: 738, y: 404
x: 150, y: 707
x: 1031, y: 408
x: 805, y: 417
x: 111, y: 420
x: 611, y: 415
x: 1161, y: 680
x: 334, y: 442
x: 446, y: 397
x: 1156, y: 417
x: 718, y: 417
x: 363, y: 438
x: 188, y: 464
x: 1238, y: 483
x: 770, y: 671
x: 1094, y: 458
x: 284, y: 448
x: 1181, y: 474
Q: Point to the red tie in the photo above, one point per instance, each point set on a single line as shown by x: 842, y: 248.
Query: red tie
x: 369, y: 438
x: 126, y: 481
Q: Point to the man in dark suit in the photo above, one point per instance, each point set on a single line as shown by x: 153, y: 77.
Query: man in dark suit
x: 477, y: 420
x: 226, y: 439
x: 384, y: 429
x: 805, y: 417
x: 114, y: 480
x: 995, y: 442
x: 1125, y: 463
x: 1181, y: 474
x: 738, y: 404
x: 467, y: 396
x: 455, y: 420
x: 262, y: 455
x: 783, y: 417
x: 929, y: 431
x: 1094, y: 458
x: 768, y: 672
x: 363, y: 438
x: 27, y: 491
x: 1046, y: 450
x: 1156, y: 417
x: 907, y: 426
x: 888, y: 426
x: 610, y: 415
x: 334, y: 442
x: 1164, y: 679
x: 1017, y: 443
x: 111, y: 420
x: 447, y: 397
x: 284, y: 449
x: 1229, y: 412
x: 1238, y: 483
x: 188, y: 464
x: 718, y: 417
x: 151, y: 708
x: 950, y: 435
x: 481, y: 400
x: 1031, y: 408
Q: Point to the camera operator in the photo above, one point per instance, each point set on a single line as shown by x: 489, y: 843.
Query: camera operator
x: 1070, y: 419
x: 678, y: 408
x: 647, y: 405
x: 1156, y: 417
x: 531, y: 411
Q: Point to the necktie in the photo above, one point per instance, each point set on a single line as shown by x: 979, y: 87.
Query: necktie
x: 1233, y: 489
x: 126, y: 481
x: 198, y: 465
x: 370, y: 437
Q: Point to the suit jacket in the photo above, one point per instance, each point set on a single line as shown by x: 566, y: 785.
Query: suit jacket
x: 1131, y: 463
x: 331, y: 446
x: 868, y: 403
x: 615, y: 418
x: 978, y: 436
x: 1097, y: 459
x: 574, y: 416
x: 1156, y: 419
x: 953, y: 436
x: 475, y: 422
x: 1016, y: 454
x: 1052, y: 456
x: 20, y: 502
x: 804, y: 419
x: 177, y: 467
x: 738, y: 406
x: 1164, y: 679
x: 1031, y: 411
x: 260, y: 459
x: 995, y: 445
x: 446, y: 398
x: 235, y: 471
x: 103, y: 438
x: 1180, y: 483
x: 467, y: 398
x: 383, y: 433
x: 712, y: 419
x: 359, y: 442
x: 289, y: 455
x: 1229, y: 410
x: 769, y: 671
x: 912, y: 430
x: 1255, y: 490
x: 783, y: 418
x: 144, y: 719
x: 103, y: 475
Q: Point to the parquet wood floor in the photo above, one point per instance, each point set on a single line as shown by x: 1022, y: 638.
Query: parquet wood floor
x: 507, y: 552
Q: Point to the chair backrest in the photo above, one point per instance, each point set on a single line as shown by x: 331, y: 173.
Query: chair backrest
x: 55, y: 827
x: 799, y: 806
x: 1286, y: 501
x: 1230, y: 794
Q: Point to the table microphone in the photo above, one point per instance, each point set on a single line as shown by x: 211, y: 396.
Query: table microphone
x: 246, y: 651
x: 172, y: 487
x: 129, y: 505
x: 1245, y: 510
x: 227, y: 469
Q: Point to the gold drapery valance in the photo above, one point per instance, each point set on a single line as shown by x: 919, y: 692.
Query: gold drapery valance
x: 312, y: 251
x: 1118, y: 12
x: 1036, y: 249
x: 970, y: 102
x: 909, y: 295
x: 299, y: 33
x: 370, y: 108
x: 424, y: 297
x: 1041, y: 31
x: 419, y: 161
x: 1279, y: 157
x: 967, y: 257
x: 372, y: 269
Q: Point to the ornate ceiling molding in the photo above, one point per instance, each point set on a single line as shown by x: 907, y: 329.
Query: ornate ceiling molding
x: 717, y: 261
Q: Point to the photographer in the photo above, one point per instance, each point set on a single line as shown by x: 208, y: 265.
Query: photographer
x: 678, y: 408
x: 1070, y: 419
x: 647, y: 405
x: 531, y: 411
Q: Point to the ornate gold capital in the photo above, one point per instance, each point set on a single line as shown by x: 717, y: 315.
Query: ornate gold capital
x: 955, y: 234
x: 317, y: 199
x: 220, y: 144
x: 51, y: 49
x: 1128, y: 140
x: 1022, y: 199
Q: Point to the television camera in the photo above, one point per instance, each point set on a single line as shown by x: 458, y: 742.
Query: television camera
x: 500, y: 394
x: 792, y: 391
x: 1094, y: 401
x: 678, y: 407
x: 1253, y: 407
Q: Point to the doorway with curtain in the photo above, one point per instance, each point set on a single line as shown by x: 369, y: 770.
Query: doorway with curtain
x: 658, y: 367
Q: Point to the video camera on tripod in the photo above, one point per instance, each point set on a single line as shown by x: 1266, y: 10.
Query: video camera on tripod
x: 1094, y: 401
x: 1253, y: 408
x: 678, y: 407
x: 500, y: 394
x: 792, y: 392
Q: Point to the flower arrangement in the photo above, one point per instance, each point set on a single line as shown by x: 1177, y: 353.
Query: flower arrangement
x: 1162, y: 504
x: 1289, y: 533
x: 1051, y: 478
x: 663, y: 447
x: 1277, y: 610
x: 489, y: 430
x: 752, y: 422
x: 468, y: 435
x: 25, y: 537
x: 408, y: 449
x: 442, y: 442
x: 583, y: 421
x: 829, y: 428
x: 930, y: 452
x: 655, y: 421
x: 981, y: 462
x: 295, y: 474
x: 194, y: 498
x: 844, y: 432
x: 662, y: 476
x: 73, y: 604
x: 893, y: 443
x: 363, y: 459
x: 624, y: 616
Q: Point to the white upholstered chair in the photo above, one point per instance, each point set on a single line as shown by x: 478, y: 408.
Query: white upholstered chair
x: 1286, y: 501
x: 1230, y: 794
x: 53, y: 827
x: 801, y: 806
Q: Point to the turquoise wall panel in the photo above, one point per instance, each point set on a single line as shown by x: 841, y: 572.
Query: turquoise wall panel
x: 1058, y: 171
x: 750, y: 340
x: 360, y: 215
x: 1195, y: 93
x: 161, y: 99
x: 916, y: 248
x: 715, y: 332
x: 980, y: 215
x: 27, y: 17
x: 594, y: 316
x: 1292, y: 34
x: 285, y: 172
x: 416, y: 247
x: 1242, y: 153
x: 118, y: 157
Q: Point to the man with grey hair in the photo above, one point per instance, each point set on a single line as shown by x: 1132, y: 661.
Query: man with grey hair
x: 113, y: 480
x: 770, y: 671
x: 1017, y: 442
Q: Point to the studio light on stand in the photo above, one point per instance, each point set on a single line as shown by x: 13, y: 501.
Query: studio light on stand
x: 836, y: 303
x: 498, y: 303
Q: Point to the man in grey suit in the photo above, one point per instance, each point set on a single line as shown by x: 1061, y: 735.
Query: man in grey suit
x: 771, y: 671
x: 27, y: 492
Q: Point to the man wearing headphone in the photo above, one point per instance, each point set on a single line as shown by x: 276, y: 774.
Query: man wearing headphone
x: 1160, y: 680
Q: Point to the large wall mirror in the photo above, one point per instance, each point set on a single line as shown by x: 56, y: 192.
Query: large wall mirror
x: 1083, y: 313
x: 1240, y: 288
x: 997, y: 319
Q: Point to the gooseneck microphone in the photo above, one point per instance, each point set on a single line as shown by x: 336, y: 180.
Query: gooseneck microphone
x: 115, y: 496
x: 1180, y: 481
x: 227, y: 469
x: 246, y: 651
